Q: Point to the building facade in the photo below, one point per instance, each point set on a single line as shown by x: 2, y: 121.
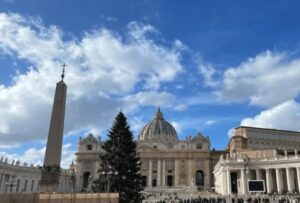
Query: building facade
x: 23, y: 178
x: 167, y: 163
x: 260, y: 154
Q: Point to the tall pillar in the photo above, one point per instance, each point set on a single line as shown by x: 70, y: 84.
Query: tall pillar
x: 189, y: 179
x: 258, y: 174
x: 176, y: 172
x: 1, y: 181
x: 158, y: 172
x: 228, y: 182
x: 223, y: 183
x: 279, y: 180
x: 51, y: 168
x: 163, y: 172
x: 268, y: 181
x: 150, y: 174
x: 298, y: 178
x: 243, y: 182
x: 290, y: 182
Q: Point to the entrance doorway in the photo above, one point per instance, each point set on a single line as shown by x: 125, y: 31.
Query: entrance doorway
x: 170, y: 180
x: 233, y: 182
x: 85, y: 182
x: 199, y: 179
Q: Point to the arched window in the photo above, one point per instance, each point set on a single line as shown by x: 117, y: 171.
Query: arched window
x: 85, y: 183
x: 199, y: 178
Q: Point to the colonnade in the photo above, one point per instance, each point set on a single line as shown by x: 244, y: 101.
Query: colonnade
x: 157, y: 174
x: 279, y: 180
x: 12, y: 183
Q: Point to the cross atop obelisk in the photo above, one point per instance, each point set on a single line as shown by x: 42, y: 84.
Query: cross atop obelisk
x: 51, y: 168
x: 63, y: 71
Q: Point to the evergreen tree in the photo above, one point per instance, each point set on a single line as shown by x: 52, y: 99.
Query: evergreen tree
x: 120, y: 168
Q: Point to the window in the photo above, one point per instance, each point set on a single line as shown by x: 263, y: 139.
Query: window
x: 154, y: 146
x: 199, y: 146
x: 89, y: 147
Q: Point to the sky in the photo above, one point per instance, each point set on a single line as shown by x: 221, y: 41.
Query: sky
x: 210, y: 65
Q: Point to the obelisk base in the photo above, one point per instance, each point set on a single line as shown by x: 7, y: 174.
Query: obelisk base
x: 50, y: 179
x: 49, y: 188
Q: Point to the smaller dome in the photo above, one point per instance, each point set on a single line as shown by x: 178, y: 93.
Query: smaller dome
x: 158, y: 128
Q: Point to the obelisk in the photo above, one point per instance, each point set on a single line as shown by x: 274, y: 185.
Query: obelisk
x: 51, y: 168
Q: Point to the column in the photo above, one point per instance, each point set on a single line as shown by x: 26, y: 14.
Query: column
x: 279, y: 180
x: 7, y: 189
x: 1, y: 181
x: 163, y: 172
x: 150, y: 174
x: 289, y: 180
x: 176, y: 174
x: 258, y: 174
x: 189, y: 176
x: 243, y: 182
x: 158, y: 172
x: 268, y: 181
x: 228, y: 182
x: 224, y: 183
x: 298, y: 178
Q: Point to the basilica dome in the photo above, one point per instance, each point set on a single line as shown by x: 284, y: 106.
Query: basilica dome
x: 158, y: 129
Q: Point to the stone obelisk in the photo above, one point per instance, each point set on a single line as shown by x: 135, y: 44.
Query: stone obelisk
x: 51, y: 168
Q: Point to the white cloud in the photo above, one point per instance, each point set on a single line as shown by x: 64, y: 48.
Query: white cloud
x: 181, y: 107
x: 231, y: 132
x: 285, y: 116
x: 211, y: 122
x: 136, y: 124
x: 177, y: 126
x: 268, y: 79
x: 103, y: 67
x: 150, y: 98
x: 208, y: 73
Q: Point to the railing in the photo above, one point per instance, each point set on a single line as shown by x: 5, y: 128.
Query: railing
x: 59, y: 197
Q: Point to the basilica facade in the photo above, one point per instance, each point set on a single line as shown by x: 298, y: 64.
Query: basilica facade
x: 167, y: 163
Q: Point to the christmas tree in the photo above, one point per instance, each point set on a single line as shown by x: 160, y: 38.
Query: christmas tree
x: 120, y: 168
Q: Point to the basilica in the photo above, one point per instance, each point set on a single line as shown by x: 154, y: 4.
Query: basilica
x: 167, y: 163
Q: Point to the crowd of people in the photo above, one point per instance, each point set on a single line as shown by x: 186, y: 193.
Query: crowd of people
x: 174, y: 198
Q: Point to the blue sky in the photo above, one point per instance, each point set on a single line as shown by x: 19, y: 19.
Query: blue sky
x: 210, y: 65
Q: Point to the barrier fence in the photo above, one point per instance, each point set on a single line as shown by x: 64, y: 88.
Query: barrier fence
x: 59, y: 198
